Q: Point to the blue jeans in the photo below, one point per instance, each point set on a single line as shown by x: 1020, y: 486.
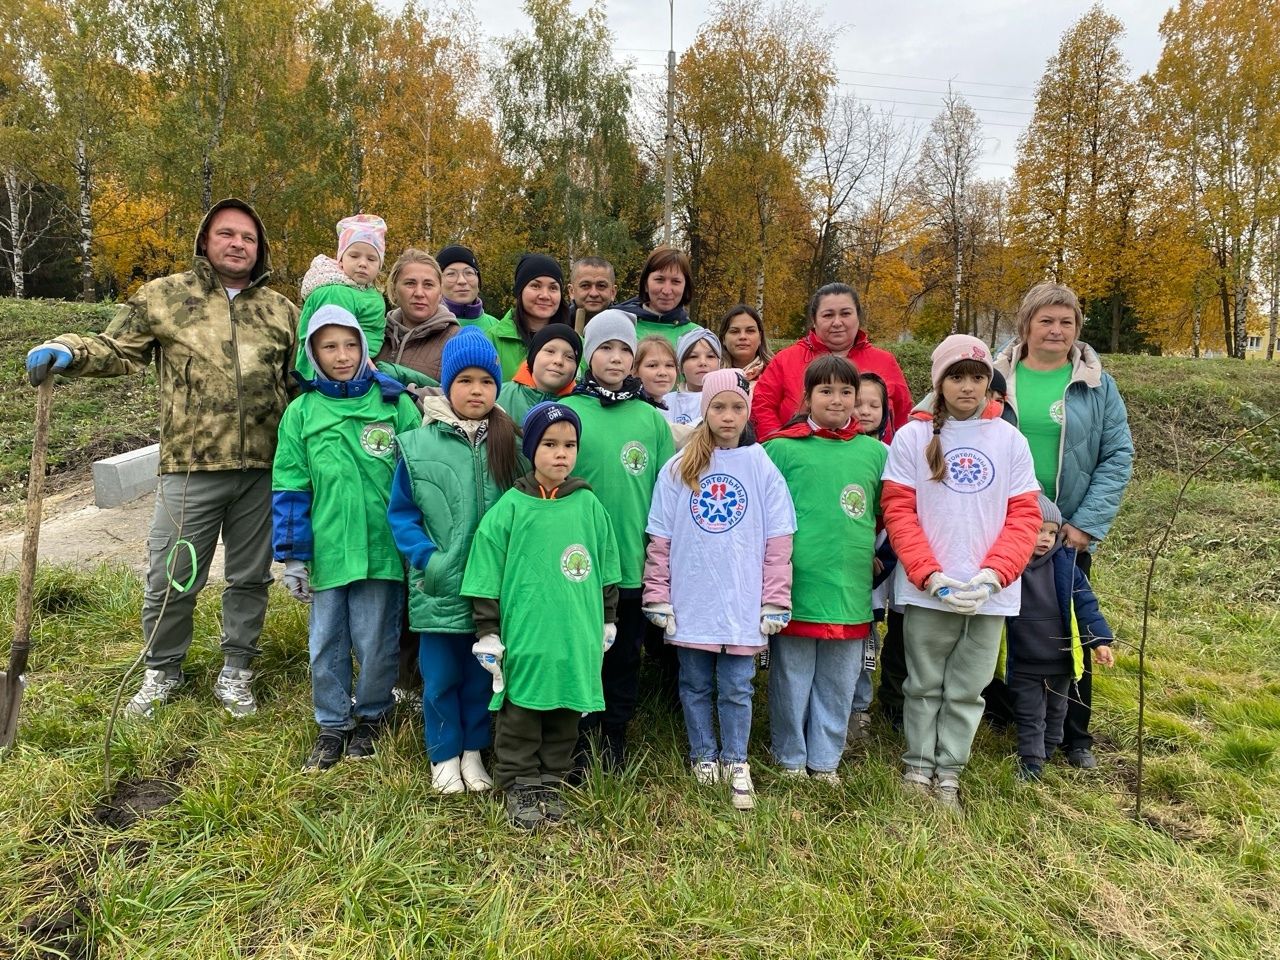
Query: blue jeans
x: 862, y: 693
x: 811, y: 684
x: 730, y: 674
x: 455, y: 695
x: 361, y: 618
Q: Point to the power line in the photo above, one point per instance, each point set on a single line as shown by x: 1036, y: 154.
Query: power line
x: 914, y: 103
x: 974, y: 83
x: 980, y: 96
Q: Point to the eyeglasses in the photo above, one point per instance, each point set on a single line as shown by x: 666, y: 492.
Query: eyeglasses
x: 460, y: 273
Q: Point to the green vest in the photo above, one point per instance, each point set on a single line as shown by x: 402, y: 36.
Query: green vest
x: 453, y: 488
x: 518, y: 399
x: 835, y: 486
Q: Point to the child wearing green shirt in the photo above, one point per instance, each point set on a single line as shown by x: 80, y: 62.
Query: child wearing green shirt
x: 625, y: 442
x: 330, y: 482
x: 542, y: 575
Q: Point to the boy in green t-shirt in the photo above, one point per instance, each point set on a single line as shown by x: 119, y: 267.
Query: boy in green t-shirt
x: 625, y: 442
x: 331, y: 482
x: 547, y: 606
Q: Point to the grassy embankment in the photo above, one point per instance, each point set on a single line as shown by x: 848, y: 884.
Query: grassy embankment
x: 242, y: 856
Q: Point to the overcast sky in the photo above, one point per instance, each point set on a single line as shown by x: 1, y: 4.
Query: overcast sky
x: 993, y: 51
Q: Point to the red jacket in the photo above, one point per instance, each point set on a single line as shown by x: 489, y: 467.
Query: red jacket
x: 1007, y: 556
x: 779, y: 391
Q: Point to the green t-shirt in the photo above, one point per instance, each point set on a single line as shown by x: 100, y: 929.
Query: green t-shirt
x: 622, y: 448
x: 1041, y: 406
x: 551, y: 595
x: 341, y: 450
x: 835, y: 486
x: 672, y: 331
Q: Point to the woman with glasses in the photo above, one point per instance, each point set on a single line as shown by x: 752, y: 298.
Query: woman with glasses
x: 460, y: 278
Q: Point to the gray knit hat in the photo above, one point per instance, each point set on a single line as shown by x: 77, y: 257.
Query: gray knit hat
x: 1049, y: 512
x: 691, y: 339
x: 605, y: 326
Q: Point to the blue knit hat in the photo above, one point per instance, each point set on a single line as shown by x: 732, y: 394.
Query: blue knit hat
x: 468, y: 348
x: 540, y: 416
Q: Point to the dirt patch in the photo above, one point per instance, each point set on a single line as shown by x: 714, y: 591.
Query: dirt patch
x: 134, y: 799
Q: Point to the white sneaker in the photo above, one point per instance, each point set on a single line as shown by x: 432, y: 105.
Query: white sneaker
x: 474, y: 776
x: 946, y: 791
x: 706, y: 772
x: 154, y: 692
x: 829, y: 777
x: 232, y: 690
x: 744, y: 793
x: 794, y: 773
x: 447, y: 777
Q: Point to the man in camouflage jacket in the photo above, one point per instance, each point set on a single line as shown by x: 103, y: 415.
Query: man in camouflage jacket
x: 222, y: 343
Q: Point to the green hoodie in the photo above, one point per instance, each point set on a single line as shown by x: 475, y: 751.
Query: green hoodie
x: 511, y: 348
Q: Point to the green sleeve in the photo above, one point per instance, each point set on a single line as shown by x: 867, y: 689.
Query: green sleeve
x: 290, y: 470
x: 407, y: 415
x: 405, y: 376
x: 610, y: 565
x: 666, y: 445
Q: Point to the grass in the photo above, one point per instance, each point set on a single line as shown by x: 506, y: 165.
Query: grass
x: 242, y: 856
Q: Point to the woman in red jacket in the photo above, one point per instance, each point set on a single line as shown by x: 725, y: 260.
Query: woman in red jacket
x: 835, y: 326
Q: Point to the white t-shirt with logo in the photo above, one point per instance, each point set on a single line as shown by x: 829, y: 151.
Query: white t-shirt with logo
x: 718, y: 536
x: 683, y: 408
x: 987, y: 463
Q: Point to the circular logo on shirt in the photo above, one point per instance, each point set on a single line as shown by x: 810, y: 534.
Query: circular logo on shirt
x: 376, y: 438
x: 634, y: 457
x: 719, y: 504
x: 683, y: 418
x: 575, y: 562
x: 853, y: 501
x: 1056, y: 412
x: 967, y: 470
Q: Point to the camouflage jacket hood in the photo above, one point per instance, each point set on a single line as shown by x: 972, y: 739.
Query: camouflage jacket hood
x: 222, y: 363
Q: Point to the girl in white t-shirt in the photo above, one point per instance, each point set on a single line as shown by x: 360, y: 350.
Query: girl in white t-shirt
x: 718, y: 576
x: 697, y: 353
x: 960, y: 505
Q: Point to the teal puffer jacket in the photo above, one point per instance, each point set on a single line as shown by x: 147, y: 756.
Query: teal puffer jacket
x: 1095, y: 456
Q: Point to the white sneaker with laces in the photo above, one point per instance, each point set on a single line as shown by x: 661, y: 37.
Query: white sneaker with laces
x: 740, y: 786
x: 154, y: 692
x: 474, y: 776
x: 233, y: 691
x: 706, y: 772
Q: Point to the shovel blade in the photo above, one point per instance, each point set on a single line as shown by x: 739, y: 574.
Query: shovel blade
x: 10, y: 699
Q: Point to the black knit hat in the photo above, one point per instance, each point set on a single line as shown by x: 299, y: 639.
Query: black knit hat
x: 534, y: 265
x: 554, y: 331
x: 457, y: 254
x: 998, y: 384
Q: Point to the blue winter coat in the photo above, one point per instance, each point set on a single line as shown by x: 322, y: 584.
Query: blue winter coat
x: 1095, y: 457
x: 1080, y: 613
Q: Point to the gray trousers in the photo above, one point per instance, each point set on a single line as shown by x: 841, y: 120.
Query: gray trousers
x: 198, y: 507
x: 1039, y: 708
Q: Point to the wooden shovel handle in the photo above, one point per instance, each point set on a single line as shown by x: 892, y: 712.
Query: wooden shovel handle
x: 31, y: 536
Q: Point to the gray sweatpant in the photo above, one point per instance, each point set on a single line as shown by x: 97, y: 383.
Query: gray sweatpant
x: 197, y: 507
x: 950, y: 658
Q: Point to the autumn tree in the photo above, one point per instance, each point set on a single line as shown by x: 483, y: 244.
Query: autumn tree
x: 562, y: 109
x: 946, y: 175
x: 1216, y: 104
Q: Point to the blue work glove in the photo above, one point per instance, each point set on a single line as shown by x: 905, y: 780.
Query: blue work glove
x: 46, y: 359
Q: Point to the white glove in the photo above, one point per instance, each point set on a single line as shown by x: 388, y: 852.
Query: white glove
x: 773, y: 618
x: 489, y: 650
x: 610, y: 635
x: 979, y: 590
x: 297, y: 580
x: 662, y: 616
x: 947, y: 589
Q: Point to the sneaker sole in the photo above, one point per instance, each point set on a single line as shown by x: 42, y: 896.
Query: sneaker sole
x: 741, y: 802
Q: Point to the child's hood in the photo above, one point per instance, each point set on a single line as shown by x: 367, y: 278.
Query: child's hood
x: 323, y: 272
x: 331, y: 315
x: 529, y: 484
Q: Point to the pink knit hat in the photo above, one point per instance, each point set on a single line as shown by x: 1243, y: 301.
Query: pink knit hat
x: 723, y: 381
x: 957, y: 347
x: 363, y: 228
